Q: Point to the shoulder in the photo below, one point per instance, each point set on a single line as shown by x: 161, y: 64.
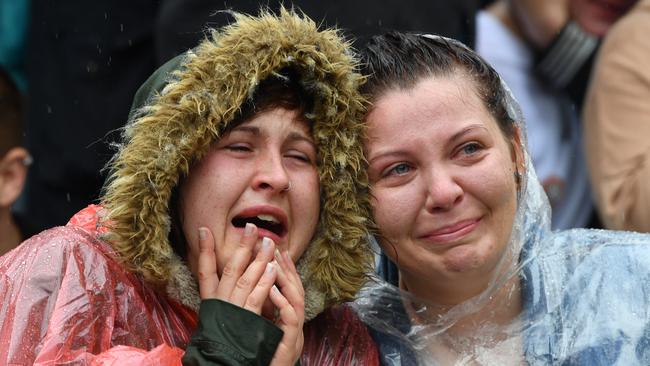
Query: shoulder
x: 594, y: 271
x: 44, y: 260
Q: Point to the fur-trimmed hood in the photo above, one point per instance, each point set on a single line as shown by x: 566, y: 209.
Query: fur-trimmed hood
x: 194, y: 99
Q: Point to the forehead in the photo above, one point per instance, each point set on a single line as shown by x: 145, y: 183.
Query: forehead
x: 433, y: 99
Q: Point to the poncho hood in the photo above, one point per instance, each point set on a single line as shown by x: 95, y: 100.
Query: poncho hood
x: 188, y: 104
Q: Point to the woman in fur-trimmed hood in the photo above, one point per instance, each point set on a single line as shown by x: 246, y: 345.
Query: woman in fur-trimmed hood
x: 254, y: 133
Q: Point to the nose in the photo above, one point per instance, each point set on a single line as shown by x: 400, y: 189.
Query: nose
x: 444, y: 190
x: 271, y: 174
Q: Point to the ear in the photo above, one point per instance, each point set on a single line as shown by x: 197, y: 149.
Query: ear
x: 13, y: 171
x: 517, y: 156
x: 518, y: 151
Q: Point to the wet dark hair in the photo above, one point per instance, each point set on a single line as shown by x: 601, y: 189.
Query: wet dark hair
x: 11, y: 114
x: 281, y: 90
x: 399, y: 60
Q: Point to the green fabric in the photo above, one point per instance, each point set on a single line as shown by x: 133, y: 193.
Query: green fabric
x: 155, y: 83
x: 231, y: 335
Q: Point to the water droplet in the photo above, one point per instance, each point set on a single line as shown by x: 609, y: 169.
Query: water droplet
x: 91, y: 66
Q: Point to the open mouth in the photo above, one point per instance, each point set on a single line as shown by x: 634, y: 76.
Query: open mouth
x: 263, y: 221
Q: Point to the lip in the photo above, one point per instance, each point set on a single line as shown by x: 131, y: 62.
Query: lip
x: 451, y: 233
x: 266, y: 210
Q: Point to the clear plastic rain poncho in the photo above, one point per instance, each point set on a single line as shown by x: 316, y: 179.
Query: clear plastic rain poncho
x: 584, y: 296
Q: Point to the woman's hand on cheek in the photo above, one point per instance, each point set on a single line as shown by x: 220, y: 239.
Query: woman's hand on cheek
x: 242, y: 283
x: 289, y: 299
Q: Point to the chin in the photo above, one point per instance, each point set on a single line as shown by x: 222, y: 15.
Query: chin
x: 463, y: 258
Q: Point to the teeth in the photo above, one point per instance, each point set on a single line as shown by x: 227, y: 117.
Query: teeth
x: 268, y: 218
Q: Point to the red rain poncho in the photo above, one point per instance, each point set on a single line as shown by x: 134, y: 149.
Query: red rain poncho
x: 65, y: 299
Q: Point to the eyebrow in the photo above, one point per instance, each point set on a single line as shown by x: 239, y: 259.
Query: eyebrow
x: 383, y: 155
x: 297, y: 136
x: 467, y: 130
x: 256, y: 131
x: 248, y: 129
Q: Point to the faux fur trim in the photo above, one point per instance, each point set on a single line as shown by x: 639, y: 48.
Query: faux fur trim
x: 177, y: 127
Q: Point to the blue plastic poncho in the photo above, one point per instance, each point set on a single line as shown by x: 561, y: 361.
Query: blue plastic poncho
x: 584, y: 295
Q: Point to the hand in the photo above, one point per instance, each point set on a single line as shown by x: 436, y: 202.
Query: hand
x: 289, y: 299
x: 242, y: 284
x: 249, y: 285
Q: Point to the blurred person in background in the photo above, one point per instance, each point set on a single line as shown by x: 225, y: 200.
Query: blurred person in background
x: 617, y: 123
x: 14, y: 160
x: 565, y: 38
x: 14, y: 22
x: 510, y: 35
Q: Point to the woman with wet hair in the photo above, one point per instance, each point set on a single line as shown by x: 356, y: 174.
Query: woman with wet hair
x: 477, y: 275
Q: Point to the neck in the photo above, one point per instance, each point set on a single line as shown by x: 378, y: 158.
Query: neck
x: 501, y: 10
x: 501, y: 307
x: 11, y: 235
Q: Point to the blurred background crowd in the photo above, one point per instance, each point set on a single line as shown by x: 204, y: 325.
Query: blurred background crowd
x: 579, y: 68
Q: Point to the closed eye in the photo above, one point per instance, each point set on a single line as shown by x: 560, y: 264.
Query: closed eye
x: 239, y: 148
x: 299, y: 157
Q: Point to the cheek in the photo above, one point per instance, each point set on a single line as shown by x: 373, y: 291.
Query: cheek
x: 498, y: 191
x: 395, y: 210
x: 205, y: 199
x: 202, y: 201
x: 309, y: 196
x: 305, y: 211
x: 495, y: 182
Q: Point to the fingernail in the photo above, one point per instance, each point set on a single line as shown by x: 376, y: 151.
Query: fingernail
x: 275, y: 288
x: 269, y: 268
x: 287, y: 256
x: 202, y: 233
x: 266, y: 243
x: 248, y: 229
